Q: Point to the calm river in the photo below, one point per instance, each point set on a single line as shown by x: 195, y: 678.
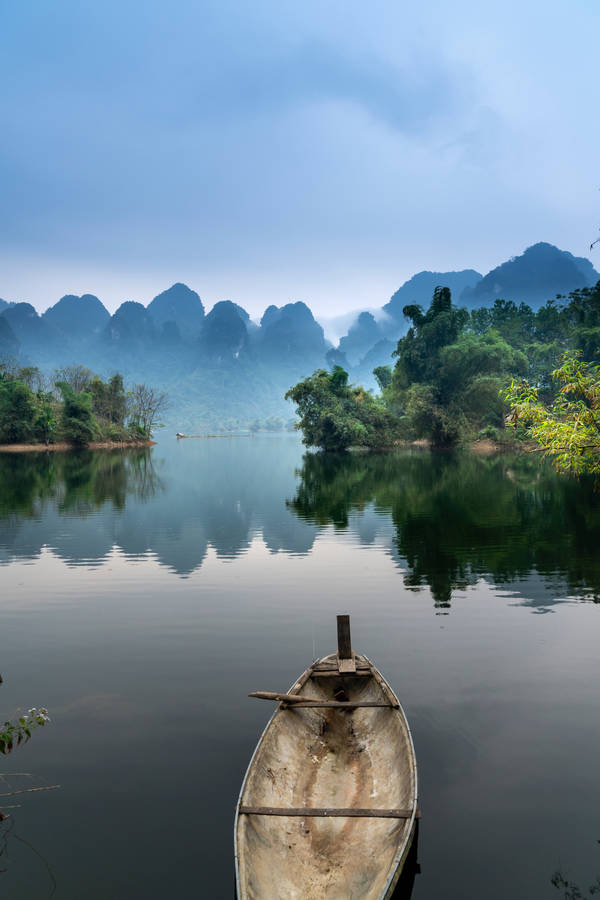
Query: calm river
x: 144, y: 594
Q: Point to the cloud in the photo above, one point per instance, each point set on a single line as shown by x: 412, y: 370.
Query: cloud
x: 406, y: 96
x: 319, y: 151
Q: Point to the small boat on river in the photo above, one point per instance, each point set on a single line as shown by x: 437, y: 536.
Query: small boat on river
x: 328, y: 806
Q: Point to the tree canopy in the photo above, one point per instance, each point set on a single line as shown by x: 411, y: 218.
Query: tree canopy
x: 75, y: 406
x: 451, y: 376
x: 335, y: 415
x: 446, y: 381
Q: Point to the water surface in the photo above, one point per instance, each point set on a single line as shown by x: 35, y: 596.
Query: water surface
x: 143, y: 594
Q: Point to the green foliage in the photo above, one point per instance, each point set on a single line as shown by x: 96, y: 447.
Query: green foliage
x: 569, y: 428
x: 567, y: 323
x: 45, y: 419
x: 514, y: 323
x: 109, y: 401
x: 447, y: 380
x: 81, y: 408
x: 476, y: 356
x: 14, y: 733
x: 383, y: 376
x: 78, y: 421
x: 426, y: 417
x: 17, y: 411
x: 418, y: 352
x: 582, y: 316
x: 335, y: 415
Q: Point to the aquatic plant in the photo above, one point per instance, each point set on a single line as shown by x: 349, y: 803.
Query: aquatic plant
x: 14, y: 733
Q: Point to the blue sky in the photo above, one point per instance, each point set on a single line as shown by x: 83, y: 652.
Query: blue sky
x: 274, y: 151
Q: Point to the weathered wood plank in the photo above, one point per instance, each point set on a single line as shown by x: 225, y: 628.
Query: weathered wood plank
x: 343, y: 635
x: 327, y: 812
x: 283, y: 698
x: 338, y: 704
x: 333, y: 668
x: 334, y: 673
x: 347, y: 666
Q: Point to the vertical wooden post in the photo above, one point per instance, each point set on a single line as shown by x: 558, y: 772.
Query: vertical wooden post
x: 346, y: 662
x: 344, y: 643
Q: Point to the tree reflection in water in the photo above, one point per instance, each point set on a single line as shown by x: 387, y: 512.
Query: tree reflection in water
x: 455, y: 518
x: 76, y: 481
x: 460, y: 517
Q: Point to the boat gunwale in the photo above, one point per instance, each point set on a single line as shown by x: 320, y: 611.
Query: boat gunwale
x: 400, y: 857
x: 256, y: 749
x: 404, y: 848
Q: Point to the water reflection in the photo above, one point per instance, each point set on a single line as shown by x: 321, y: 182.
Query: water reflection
x: 174, y: 502
x: 460, y: 517
x: 78, y: 482
x: 501, y: 703
x: 37, y: 490
x: 446, y: 520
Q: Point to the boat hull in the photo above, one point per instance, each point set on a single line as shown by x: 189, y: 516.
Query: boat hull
x: 327, y: 759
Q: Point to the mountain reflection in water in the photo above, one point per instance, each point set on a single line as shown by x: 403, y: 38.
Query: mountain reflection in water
x: 447, y: 520
x: 145, y: 593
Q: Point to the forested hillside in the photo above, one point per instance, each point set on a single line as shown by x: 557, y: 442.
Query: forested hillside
x: 221, y: 369
x: 458, y: 374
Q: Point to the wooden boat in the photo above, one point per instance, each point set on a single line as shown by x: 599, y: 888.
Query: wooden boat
x: 328, y: 806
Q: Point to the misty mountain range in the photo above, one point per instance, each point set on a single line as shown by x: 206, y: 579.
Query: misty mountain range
x: 222, y: 369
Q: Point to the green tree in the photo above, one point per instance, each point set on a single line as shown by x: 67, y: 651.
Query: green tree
x: 418, y: 351
x: 568, y: 429
x: 516, y: 324
x: 335, y: 415
x: 77, y: 418
x: 17, y: 411
x: 583, y: 321
x: 109, y: 401
x: 117, y: 399
x: 45, y: 419
x: 446, y: 381
x: 383, y: 376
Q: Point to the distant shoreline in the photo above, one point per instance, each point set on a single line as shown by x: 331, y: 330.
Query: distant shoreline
x: 186, y: 437
x: 63, y: 446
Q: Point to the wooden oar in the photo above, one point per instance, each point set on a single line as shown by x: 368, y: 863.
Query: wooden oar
x: 312, y: 702
x: 283, y: 698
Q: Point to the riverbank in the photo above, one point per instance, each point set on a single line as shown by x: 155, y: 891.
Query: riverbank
x: 63, y: 446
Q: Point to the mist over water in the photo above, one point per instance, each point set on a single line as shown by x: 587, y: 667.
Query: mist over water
x: 145, y: 593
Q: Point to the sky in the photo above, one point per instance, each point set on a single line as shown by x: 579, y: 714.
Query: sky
x: 272, y: 151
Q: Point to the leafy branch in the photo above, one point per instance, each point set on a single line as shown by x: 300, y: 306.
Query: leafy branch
x: 14, y: 733
x: 569, y: 429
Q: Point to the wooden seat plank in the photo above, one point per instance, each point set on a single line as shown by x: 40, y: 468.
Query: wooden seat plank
x: 337, y: 704
x: 327, y: 812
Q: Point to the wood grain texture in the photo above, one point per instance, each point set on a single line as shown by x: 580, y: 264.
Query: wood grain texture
x: 333, y: 762
x: 348, y: 813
